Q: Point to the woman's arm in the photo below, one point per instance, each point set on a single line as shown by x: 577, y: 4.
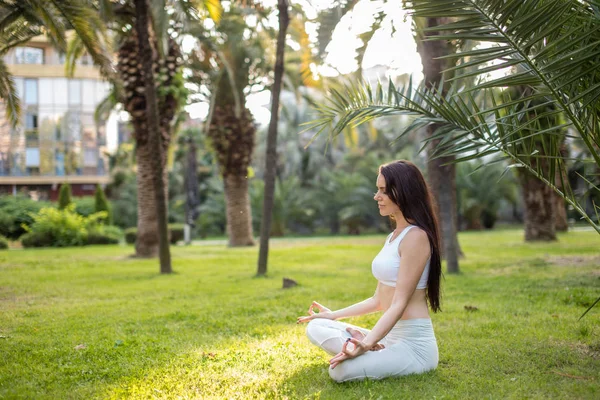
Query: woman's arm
x: 415, y: 252
x: 366, y: 306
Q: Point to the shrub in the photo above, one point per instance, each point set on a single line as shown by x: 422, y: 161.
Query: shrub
x: 3, y: 243
x: 130, y: 235
x: 175, y: 234
x: 105, y: 234
x: 64, y: 196
x: 101, y: 204
x: 16, y: 211
x: 37, y: 239
x: 60, y: 228
x: 85, y: 205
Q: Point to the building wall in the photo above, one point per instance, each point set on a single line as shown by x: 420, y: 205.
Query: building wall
x: 58, y: 136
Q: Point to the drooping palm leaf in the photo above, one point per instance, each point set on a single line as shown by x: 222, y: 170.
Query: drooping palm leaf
x: 8, y: 92
x: 557, y: 57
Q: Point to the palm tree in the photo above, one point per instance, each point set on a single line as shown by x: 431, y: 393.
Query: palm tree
x: 130, y: 91
x: 270, y: 169
x: 556, y: 46
x: 227, y: 67
x: 147, y: 60
x: 441, y: 172
x: 20, y: 21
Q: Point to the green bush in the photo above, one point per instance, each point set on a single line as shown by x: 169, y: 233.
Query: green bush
x: 64, y: 196
x: 130, y: 235
x: 3, y: 243
x: 175, y: 234
x: 37, y: 239
x: 85, y: 205
x: 16, y: 211
x: 105, y: 234
x: 60, y: 228
x: 101, y: 204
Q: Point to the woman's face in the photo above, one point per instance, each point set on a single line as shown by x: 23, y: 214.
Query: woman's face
x: 386, y: 205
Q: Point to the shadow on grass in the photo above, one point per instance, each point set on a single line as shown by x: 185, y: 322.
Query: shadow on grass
x: 313, y: 381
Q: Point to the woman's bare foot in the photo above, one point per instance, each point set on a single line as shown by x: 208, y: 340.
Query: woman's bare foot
x: 355, y: 333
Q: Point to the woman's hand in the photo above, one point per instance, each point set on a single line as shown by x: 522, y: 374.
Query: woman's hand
x: 358, y: 349
x: 324, y: 312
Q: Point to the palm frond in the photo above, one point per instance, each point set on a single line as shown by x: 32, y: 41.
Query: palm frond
x: 91, y: 29
x: 106, y: 106
x: 328, y: 20
x: 75, y: 49
x: 39, y: 13
x: 553, y: 45
x: 8, y: 93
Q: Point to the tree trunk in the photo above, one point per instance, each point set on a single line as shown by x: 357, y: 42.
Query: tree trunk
x: 239, y: 217
x: 560, y: 212
x: 540, y: 203
x: 561, y: 223
x: 442, y: 178
x: 190, y: 184
x: 147, y: 242
x: 154, y: 133
x: 271, y: 164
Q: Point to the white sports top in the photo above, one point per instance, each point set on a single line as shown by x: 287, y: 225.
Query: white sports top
x: 386, y: 264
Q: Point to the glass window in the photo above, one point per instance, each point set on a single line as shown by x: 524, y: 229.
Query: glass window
x: 31, y: 121
x: 29, y: 55
x: 74, y: 92
x: 32, y: 157
x: 90, y: 157
x: 31, y: 91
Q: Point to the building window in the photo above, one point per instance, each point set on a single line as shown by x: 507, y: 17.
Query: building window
x: 31, y: 121
x: 29, y: 55
x: 90, y: 157
x: 32, y: 158
x: 31, y: 91
x: 74, y: 92
x: 31, y: 129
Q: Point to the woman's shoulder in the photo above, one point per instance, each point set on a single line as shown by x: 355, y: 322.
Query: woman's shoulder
x: 416, y: 236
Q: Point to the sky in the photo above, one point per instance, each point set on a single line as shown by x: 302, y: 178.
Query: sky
x: 397, y: 50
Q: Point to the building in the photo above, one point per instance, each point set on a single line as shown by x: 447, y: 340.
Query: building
x: 58, y: 139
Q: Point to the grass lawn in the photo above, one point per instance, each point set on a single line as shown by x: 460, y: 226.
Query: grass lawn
x: 94, y: 323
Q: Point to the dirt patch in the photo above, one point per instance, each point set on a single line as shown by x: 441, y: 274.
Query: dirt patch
x: 574, y: 261
x: 581, y: 349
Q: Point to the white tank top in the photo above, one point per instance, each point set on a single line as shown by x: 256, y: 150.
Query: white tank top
x: 386, y: 264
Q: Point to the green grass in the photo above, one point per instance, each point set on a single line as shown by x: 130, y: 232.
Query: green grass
x: 213, y: 330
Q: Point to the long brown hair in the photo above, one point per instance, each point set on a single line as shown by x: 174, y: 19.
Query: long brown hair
x: 406, y: 187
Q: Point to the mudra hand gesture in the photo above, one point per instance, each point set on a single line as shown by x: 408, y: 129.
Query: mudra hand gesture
x: 358, y: 348
x: 324, y: 312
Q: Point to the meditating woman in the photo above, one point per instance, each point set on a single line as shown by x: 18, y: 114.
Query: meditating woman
x: 408, y: 270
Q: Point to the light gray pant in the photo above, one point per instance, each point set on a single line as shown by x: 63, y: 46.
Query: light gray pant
x: 410, y: 348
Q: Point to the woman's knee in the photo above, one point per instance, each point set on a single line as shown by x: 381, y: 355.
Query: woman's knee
x: 341, y: 374
x: 314, y: 325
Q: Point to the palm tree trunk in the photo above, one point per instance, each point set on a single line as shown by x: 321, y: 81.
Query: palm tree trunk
x: 239, y: 216
x: 442, y: 178
x: 154, y: 134
x: 147, y: 240
x: 540, y: 203
x: 271, y: 164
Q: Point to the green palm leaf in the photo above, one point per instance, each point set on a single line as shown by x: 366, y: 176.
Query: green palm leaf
x: 553, y: 50
x: 8, y: 92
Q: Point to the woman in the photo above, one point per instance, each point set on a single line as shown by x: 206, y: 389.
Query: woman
x: 408, y: 270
